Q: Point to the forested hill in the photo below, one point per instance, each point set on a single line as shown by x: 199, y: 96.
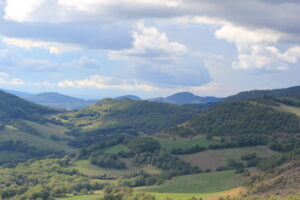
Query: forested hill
x: 286, y: 92
x: 13, y: 107
x: 129, y: 114
x: 256, y: 116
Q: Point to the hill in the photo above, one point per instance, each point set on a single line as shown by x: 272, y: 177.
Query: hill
x: 253, y: 116
x: 56, y: 100
x: 185, y: 98
x: 127, y: 114
x: 286, y: 92
x: 13, y: 107
x: 132, y: 97
x: 26, y: 130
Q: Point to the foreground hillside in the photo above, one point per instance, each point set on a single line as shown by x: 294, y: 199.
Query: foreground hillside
x: 27, y: 131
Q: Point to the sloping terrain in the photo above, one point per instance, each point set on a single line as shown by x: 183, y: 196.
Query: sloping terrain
x: 126, y: 114
x: 292, y: 91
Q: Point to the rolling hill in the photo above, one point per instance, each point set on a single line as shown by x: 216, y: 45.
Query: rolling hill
x: 26, y: 129
x: 112, y: 114
x: 253, y: 116
x: 286, y: 92
x: 56, y: 100
x: 185, y: 98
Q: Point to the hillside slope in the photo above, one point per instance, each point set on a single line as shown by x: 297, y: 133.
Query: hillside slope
x: 253, y: 116
x: 286, y: 92
x: 26, y: 130
x: 127, y: 114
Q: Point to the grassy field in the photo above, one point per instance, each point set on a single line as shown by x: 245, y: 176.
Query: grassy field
x: 212, y: 159
x: 290, y: 109
x: 175, y: 196
x: 36, y: 141
x: 48, y: 130
x: 115, y: 149
x: 169, y: 144
x: 85, y: 167
x: 205, y: 196
x: 8, y: 155
x: 82, y: 197
x: 199, y: 183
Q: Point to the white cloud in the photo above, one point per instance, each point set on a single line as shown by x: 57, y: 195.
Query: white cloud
x: 87, y: 62
x: 3, y: 74
x: 149, y: 43
x: 240, y: 35
x: 104, y: 82
x: 52, y: 47
x: 265, y: 57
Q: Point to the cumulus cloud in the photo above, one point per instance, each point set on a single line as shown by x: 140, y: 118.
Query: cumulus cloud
x: 159, y: 61
x: 264, y: 57
x: 107, y: 82
x: 150, y: 43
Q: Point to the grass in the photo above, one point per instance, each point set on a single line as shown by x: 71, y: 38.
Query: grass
x: 85, y: 167
x: 199, y: 183
x: 174, y: 196
x: 169, y: 144
x: 36, y: 141
x: 8, y: 155
x: 115, y: 149
x: 212, y: 159
x: 82, y: 197
x: 290, y: 109
x: 48, y: 130
x: 205, y: 196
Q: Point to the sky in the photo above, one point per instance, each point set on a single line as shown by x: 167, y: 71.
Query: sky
x: 103, y: 48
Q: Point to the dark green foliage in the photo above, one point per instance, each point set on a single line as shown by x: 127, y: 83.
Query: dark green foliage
x: 26, y: 150
x: 244, y: 118
x: 13, y: 107
x: 124, y: 193
x: 84, y: 153
x: 43, y: 179
x: 143, y: 144
x: 292, y: 91
x: 165, y: 161
x: 284, y: 144
x: 106, y: 160
x: 125, y: 114
x: 22, y: 126
x: 193, y: 149
x: 143, y: 179
x: 270, y: 163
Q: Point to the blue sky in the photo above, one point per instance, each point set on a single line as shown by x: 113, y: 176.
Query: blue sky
x: 150, y: 48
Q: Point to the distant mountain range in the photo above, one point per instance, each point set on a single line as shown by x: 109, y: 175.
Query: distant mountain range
x: 185, y: 98
x: 56, y: 100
